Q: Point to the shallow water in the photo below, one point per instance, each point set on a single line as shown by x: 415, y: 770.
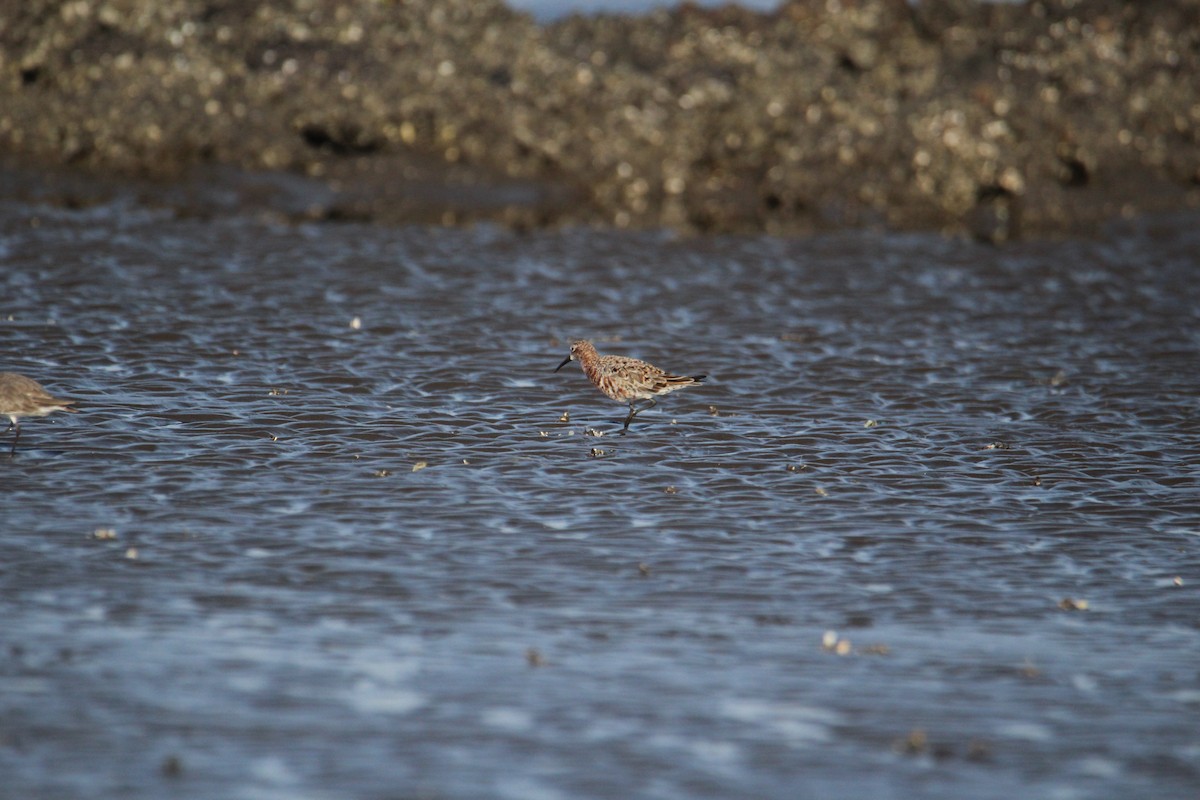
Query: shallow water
x: 923, y: 445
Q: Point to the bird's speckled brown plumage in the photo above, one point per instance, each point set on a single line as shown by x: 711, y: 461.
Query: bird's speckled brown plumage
x: 625, y: 379
x: 25, y: 397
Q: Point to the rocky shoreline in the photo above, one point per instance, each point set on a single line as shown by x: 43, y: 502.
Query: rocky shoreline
x: 997, y: 120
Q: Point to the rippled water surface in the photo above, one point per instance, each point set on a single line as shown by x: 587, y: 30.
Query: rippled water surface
x: 280, y: 555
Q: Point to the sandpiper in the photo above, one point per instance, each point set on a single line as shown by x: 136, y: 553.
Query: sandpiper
x: 24, y: 397
x: 624, y: 379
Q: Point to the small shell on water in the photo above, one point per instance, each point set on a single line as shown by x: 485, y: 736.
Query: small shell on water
x: 104, y: 533
x: 835, y: 644
x: 420, y: 465
x: 916, y: 742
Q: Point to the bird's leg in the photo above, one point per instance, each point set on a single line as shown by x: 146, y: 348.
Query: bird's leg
x: 633, y: 411
x: 629, y: 419
x: 14, y: 426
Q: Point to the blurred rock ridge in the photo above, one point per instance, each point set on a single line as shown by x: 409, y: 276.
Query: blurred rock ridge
x: 1000, y: 121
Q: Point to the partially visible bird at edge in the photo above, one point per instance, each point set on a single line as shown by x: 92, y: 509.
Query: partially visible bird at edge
x: 626, y: 380
x: 25, y: 397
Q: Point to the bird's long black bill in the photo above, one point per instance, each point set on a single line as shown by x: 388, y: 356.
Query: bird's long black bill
x: 566, y: 361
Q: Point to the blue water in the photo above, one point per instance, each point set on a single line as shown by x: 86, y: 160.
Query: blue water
x: 930, y: 529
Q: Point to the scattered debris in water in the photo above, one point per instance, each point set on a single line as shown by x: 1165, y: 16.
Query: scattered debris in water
x: 172, y: 767
x: 835, y: 644
x: 915, y: 743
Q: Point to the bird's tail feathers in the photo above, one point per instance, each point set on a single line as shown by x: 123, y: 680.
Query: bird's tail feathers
x: 684, y: 380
